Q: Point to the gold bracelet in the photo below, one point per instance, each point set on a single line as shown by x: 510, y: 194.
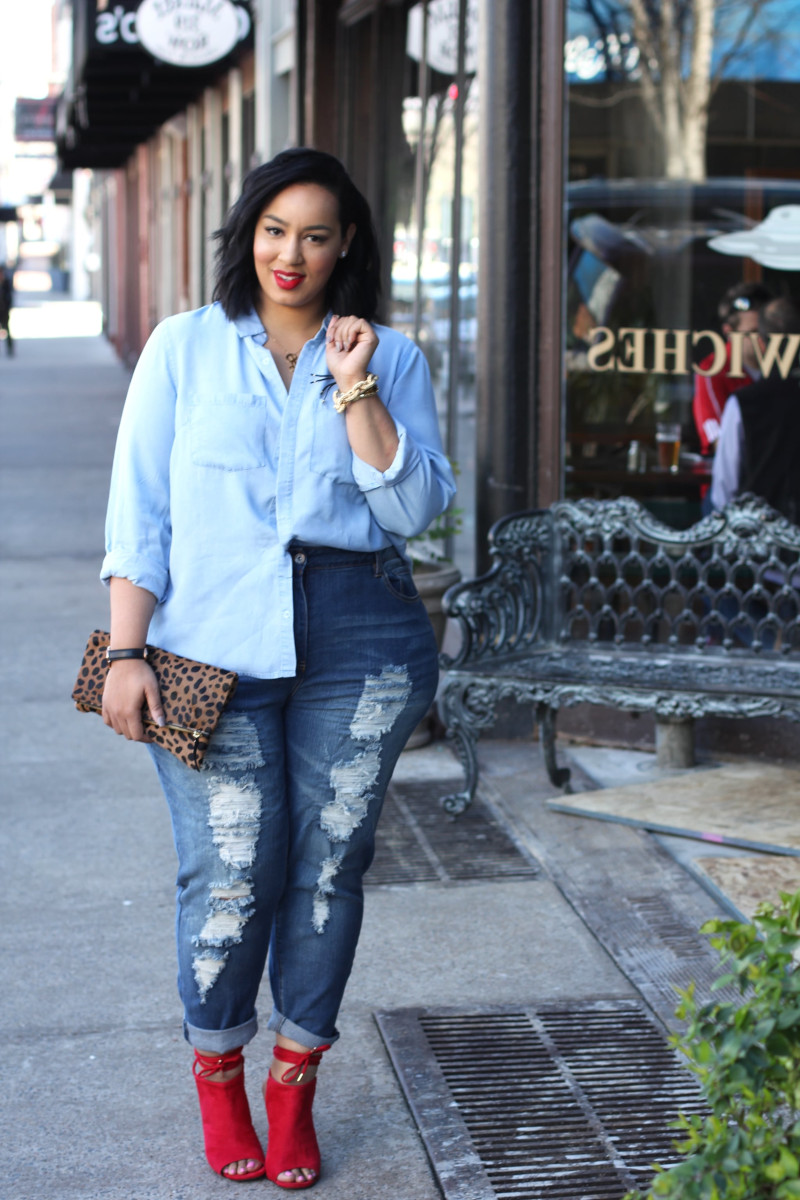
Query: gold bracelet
x: 364, y: 387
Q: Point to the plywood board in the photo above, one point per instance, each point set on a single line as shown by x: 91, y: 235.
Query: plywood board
x: 752, y: 805
x: 748, y: 882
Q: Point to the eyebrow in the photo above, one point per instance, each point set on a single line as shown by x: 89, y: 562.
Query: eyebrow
x: 272, y: 217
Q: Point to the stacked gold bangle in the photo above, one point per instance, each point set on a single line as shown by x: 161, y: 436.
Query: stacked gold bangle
x: 364, y: 387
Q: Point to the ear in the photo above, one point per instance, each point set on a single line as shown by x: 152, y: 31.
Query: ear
x: 348, y: 237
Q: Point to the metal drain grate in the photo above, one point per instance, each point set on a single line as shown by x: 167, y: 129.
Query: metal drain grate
x: 657, y: 948
x: 643, y: 910
x: 670, y: 929
x: 418, y: 842
x: 556, y: 1103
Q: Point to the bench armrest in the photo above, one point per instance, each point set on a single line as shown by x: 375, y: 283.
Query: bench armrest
x: 501, y: 613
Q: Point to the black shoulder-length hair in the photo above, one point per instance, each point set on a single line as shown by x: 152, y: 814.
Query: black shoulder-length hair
x: 354, y: 286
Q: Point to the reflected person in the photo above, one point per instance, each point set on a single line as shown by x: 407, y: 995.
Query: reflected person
x: 759, y: 442
x: 738, y: 313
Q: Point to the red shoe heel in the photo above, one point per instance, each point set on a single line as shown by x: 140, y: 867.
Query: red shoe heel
x: 227, y: 1125
x: 292, y: 1143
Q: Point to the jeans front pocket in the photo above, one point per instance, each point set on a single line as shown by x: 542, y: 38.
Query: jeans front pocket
x: 398, y: 579
x: 228, y: 430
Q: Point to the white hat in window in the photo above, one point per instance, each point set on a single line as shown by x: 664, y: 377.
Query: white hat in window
x: 773, y: 243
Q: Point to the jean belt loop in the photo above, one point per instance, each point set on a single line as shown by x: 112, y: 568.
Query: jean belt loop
x: 378, y: 565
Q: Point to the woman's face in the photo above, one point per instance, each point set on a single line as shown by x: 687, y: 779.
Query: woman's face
x: 297, y: 243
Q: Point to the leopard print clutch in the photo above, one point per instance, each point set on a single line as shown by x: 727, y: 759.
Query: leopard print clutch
x: 193, y: 694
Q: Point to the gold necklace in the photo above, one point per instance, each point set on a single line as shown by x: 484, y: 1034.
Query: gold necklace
x: 291, y: 359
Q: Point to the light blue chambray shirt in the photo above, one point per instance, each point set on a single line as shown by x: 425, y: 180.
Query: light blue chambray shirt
x: 218, y: 468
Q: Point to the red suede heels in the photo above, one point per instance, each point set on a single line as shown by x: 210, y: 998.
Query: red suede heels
x: 227, y: 1125
x: 292, y: 1140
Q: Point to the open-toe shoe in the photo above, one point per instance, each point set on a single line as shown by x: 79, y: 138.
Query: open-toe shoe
x: 292, y: 1144
x: 227, y: 1125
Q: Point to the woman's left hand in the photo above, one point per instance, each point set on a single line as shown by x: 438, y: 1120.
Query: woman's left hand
x: 371, y: 431
x: 351, y: 343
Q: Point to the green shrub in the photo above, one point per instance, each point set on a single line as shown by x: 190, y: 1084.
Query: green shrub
x: 747, y: 1058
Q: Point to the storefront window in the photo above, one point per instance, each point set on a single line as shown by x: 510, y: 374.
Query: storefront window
x: 434, y: 282
x: 683, y: 182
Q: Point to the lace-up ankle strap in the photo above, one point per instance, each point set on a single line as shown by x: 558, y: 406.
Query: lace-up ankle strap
x: 209, y: 1065
x: 300, y: 1061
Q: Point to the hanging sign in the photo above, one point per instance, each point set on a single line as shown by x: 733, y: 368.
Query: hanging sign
x: 188, y: 33
x: 442, y: 35
x: 115, y: 25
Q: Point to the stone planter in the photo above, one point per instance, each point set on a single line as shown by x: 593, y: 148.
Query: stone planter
x: 432, y: 580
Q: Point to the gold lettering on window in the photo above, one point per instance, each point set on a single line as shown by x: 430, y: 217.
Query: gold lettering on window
x: 766, y: 358
x: 603, y: 345
x: 631, y: 357
x: 666, y: 352
x: 736, y: 340
x: 677, y: 352
x: 718, y: 342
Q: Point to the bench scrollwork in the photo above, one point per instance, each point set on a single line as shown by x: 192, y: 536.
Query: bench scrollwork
x: 598, y: 602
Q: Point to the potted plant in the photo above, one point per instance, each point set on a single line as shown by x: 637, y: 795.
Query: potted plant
x: 433, y: 574
x: 433, y: 571
x: 747, y: 1058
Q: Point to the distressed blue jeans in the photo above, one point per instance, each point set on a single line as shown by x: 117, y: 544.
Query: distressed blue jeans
x: 276, y: 831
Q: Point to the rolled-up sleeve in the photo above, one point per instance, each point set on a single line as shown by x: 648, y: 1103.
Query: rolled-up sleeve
x: 418, y: 485
x: 138, y: 528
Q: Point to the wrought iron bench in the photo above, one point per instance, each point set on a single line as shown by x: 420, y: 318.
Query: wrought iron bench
x: 598, y: 602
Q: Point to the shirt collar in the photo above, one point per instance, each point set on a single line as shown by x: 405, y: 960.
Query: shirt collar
x: 250, y: 325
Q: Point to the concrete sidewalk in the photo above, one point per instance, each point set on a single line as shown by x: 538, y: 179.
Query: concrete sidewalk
x: 99, y: 1099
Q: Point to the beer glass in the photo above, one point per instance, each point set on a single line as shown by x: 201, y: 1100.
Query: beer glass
x: 668, y: 444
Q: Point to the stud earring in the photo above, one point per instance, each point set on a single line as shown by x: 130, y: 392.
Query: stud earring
x: 343, y: 254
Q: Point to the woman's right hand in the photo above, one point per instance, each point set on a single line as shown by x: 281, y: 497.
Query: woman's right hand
x: 130, y: 685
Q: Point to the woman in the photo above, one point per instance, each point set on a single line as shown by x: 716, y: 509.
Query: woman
x: 276, y: 450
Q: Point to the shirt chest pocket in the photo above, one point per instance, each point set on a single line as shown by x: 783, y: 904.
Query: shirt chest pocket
x: 331, y: 454
x: 229, y: 431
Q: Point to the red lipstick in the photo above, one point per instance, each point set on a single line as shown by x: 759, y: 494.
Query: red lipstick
x: 286, y: 280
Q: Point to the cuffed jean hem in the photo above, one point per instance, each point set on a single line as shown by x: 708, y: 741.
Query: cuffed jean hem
x: 220, y: 1041
x: 286, y: 1028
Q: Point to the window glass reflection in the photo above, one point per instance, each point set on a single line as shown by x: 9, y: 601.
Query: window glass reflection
x: 436, y: 235
x: 683, y: 190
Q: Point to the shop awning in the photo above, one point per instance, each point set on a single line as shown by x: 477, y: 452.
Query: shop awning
x: 119, y: 94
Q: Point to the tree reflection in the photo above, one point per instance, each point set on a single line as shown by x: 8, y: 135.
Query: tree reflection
x: 673, y: 54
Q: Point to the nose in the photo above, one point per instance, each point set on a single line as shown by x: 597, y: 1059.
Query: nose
x: 292, y: 250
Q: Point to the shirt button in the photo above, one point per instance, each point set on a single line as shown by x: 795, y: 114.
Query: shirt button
x: 300, y: 559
